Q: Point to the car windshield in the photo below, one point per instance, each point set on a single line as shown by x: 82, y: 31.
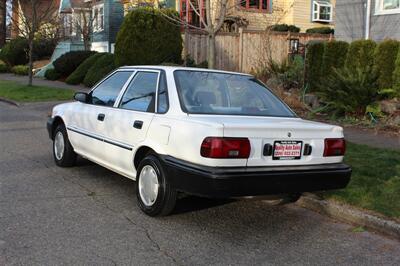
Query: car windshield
x: 203, y: 92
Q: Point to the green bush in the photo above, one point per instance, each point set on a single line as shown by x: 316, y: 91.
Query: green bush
x: 360, y: 54
x: 52, y: 74
x: 285, y: 28
x: 3, y: 68
x: 15, y: 52
x: 79, y: 74
x: 385, y: 59
x: 147, y: 37
x: 396, y: 75
x: 314, y: 61
x: 334, y: 56
x: 350, y: 91
x: 104, y: 65
x: 321, y: 30
x: 44, y: 48
x: 68, y: 62
x: 20, y: 70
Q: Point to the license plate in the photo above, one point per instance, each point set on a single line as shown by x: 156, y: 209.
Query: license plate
x: 287, y: 150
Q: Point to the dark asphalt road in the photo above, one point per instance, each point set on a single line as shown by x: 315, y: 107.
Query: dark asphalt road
x: 88, y: 215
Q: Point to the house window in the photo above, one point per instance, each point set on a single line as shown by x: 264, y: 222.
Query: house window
x: 190, y: 10
x: 322, y: 11
x: 255, y: 5
x: 387, y: 7
x: 98, y: 18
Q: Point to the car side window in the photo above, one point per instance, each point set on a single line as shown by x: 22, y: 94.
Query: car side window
x: 107, y: 92
x: 141, y: 92
x: 162, y: 106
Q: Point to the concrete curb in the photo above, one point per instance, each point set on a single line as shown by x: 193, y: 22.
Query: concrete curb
x: 352, y: 215
x: 9, y: 101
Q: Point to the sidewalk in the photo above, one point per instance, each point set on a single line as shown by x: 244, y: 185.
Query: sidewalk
x: 42, y: 82
x: 372, y: 138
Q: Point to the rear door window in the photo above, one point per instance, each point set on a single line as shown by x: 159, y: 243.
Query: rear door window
x: 141, y: 92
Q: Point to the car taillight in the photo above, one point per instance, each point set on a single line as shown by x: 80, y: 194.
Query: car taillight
x: 218, y: 147
x: 334, y: 147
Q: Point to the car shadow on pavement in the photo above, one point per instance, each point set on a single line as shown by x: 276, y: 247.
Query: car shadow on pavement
x: 189, y: 203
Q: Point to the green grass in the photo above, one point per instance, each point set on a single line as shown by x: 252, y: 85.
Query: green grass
x: 375, y: 182
x: 23, y: 93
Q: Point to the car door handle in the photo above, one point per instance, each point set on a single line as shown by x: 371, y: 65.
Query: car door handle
x: 101, y: 117
x: 138, y: 124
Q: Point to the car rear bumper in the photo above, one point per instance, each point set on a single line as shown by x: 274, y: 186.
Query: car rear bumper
x: 227, y: 182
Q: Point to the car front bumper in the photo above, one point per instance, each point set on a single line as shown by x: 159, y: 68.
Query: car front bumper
x: 49, y: 126
x: 225, y: 182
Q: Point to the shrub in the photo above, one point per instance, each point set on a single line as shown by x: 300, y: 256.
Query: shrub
x: 44, y: 48
x: 104, y: 65
x: 334, y: 56
x: 3, y: 67
x: 314, y: 61
x: 350, y: 91
x: 52, y: 74
x: 15, y: 52
x: 147, y: 37
x: 396, y: 75
x: 321, y: 30
x: 68, y: 62
x: 360, y: 54
x: 385, y: 58
x: 20, y: 70
x: 79, y: 74
x: 285, y: 28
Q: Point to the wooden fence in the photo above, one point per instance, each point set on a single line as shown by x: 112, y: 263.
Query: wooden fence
x: 247, y: 50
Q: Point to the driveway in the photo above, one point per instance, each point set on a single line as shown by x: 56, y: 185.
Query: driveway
x: 88, y: 215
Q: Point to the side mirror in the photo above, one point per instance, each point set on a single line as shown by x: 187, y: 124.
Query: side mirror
x: 81, y: 97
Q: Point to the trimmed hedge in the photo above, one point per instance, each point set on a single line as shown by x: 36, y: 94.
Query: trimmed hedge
x: 321, y: 30
x: 20, y: 70
x: 385, y: 58
x: 68, y: 62
x: 147, y: 37
x: 396, y: 75
x: 52, y: 74
x: 104, y: 65
x: 285, y: 28
x: 79, y: 74
x: 314, y: 61
x: 15, y: 52
x: 334, y: 56
x: 361, y: 54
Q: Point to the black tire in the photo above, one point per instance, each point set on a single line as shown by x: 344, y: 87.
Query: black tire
x: 166, y: 196
x: 68, y: 157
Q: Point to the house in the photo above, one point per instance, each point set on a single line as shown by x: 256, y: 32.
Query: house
x: 129, y: 4
x: 98, y: 20
x: 259, y: 14
x: 367, y: 19
x: 22, y: 13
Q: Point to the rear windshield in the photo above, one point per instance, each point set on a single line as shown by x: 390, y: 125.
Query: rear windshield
x: 227, y: 94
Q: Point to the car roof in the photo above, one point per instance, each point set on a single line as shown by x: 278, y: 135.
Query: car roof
x: 173, y: 68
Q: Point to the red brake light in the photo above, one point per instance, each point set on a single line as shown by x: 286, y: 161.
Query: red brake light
x: 334, y: 147
x: 218, y: 147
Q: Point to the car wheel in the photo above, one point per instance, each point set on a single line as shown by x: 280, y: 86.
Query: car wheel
x: 156, y: 197
x: 63, y: 152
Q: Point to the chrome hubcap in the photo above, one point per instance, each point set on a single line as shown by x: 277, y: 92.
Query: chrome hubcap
x: 59, y: 145
x: 148, y: 185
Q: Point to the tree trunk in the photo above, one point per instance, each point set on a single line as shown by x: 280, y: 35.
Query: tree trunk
x: 3, y: 27
x: 211, y: 51
x: 30, y: 73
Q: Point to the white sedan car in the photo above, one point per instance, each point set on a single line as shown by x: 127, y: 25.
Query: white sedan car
x: 203, y: 132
